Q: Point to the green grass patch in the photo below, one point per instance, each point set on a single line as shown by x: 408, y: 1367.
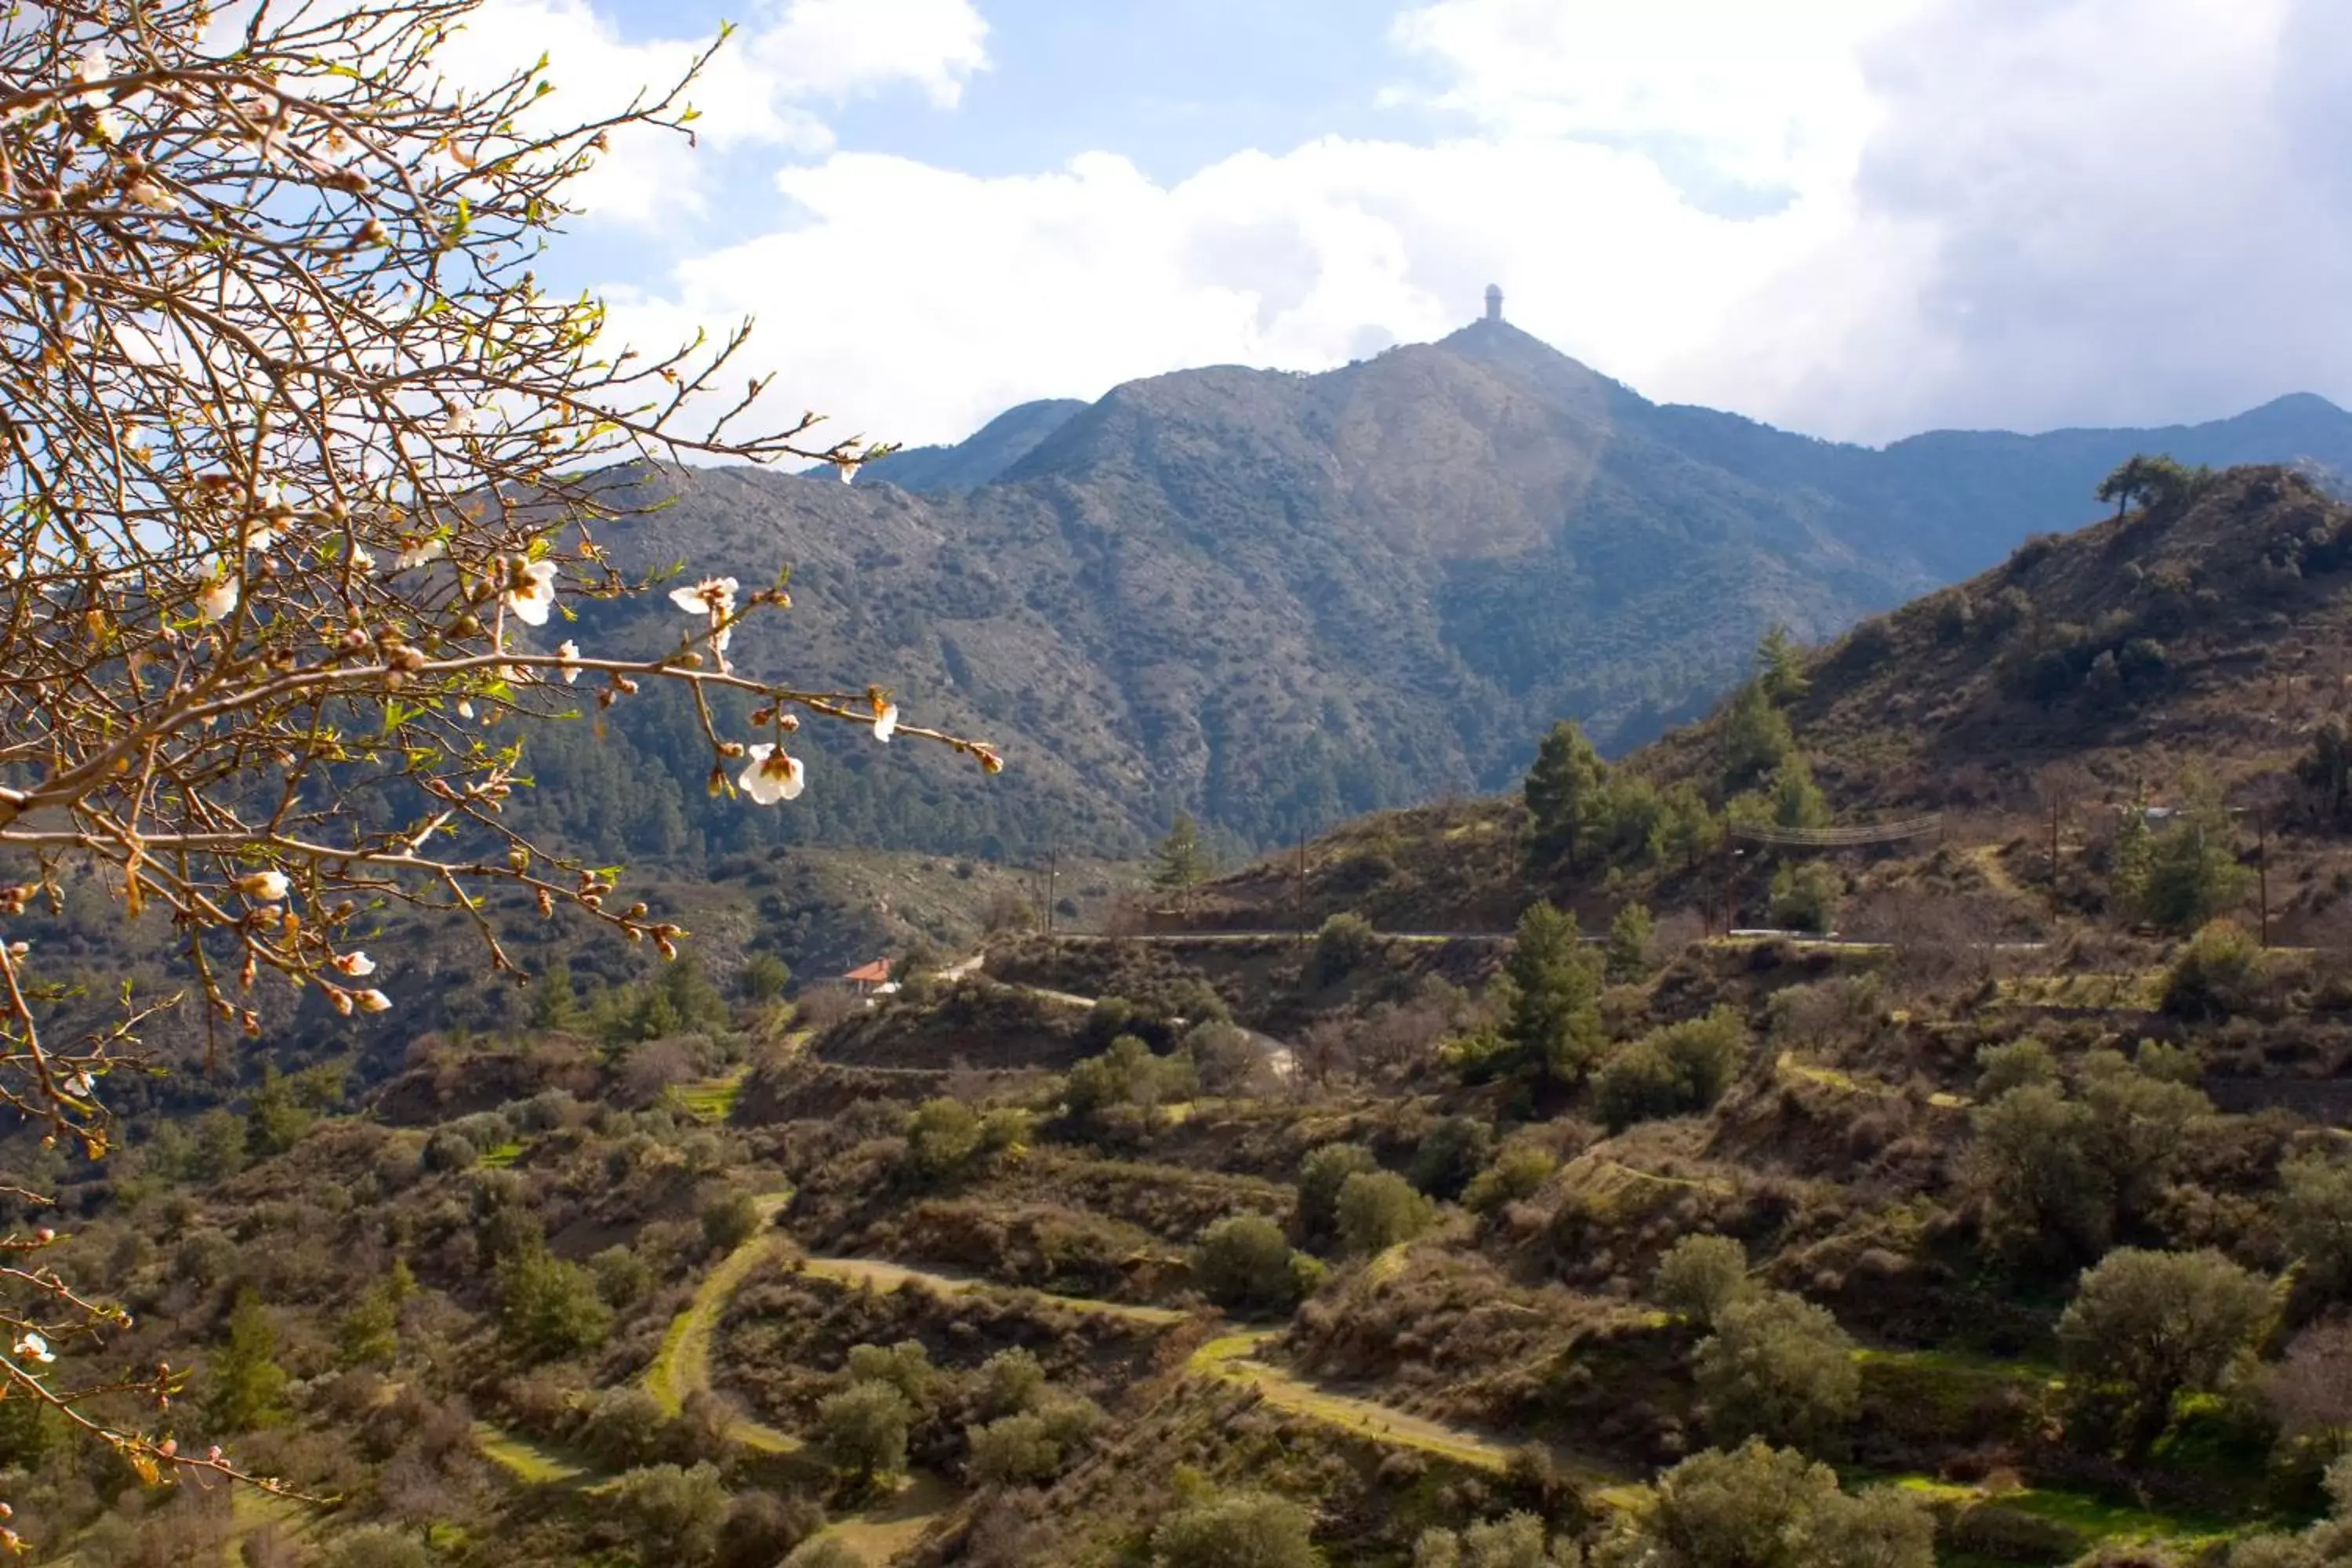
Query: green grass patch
x: 711, y: 1099
x: 532, y: 1462
x: 504, y: 1156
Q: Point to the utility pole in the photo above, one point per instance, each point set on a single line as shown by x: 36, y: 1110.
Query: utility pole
x: 1053, y: 865
x: 1302, y: 886
x: 2053, y: 848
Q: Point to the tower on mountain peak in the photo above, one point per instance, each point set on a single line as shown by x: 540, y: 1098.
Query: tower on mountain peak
x: 1494, y: 301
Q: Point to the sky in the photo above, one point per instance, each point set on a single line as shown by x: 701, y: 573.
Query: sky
x: 1855, y: 218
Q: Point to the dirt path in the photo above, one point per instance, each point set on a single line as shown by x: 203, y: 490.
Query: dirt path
x: 881, y: 1275
x: 682, y: 1366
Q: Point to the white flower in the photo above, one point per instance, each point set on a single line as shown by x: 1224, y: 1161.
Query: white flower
x: 373, y: 1002
x: 530, y: 591
x: 712, y: 596
x: 96, y: 66
x: 81, y: 1083
x: 110, y: 124
x: 772, y: 775
x: 463, y: 419
x: 569, y: 652
x: 465, y: 709
x: 216, y: 599
x: 35, y: 1347
x: 262, y: 537
x: 267, y: 886
x: 144, y: 193
x: 849, y: 472
x: 362, y: 559
x: 885, y: 723
x: 356, y: 964
x: 416, y: 552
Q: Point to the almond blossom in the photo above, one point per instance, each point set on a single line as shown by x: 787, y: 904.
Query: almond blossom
x: 372, y: 1002
x: 269, y: 887
x: 356, y: 964
x: 773, y: 775
x: 886, y: 723
x: 217, y: 598
x: 35, y: 1348
x: 568, y: 652
x: 416, y: 552
x: 531, y: 591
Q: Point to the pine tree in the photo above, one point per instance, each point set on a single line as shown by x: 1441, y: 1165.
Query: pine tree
x: 1779, y: 667
x: 1629, y: 943
x: 1179, y: 864
x: 248, y: 1386
x: 1553, y: 1022
x: 2128, y: 866
x: 1796, y: 800
x: 1755, y: 737
x: 1563, y: 792
x: 554, y: 1005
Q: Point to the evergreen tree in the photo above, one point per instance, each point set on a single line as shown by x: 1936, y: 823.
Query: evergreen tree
x: 1685, y: 830
x: 275, y: 1120
x: 1629, y: 943
x: 1553, y: 1020
x: 2127, y: 866
x: 1779, y: 667
x: 1563, y: 792
x: 554, y: 1005
x: 1180, y: 865
x: 248, y: 1386
x: 1755, y: 737
x: 2193, y: 875
x: 1797, y: 801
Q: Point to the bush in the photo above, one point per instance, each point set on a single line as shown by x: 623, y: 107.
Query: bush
x: 549, y: 1309
x: 905, y: 1366
x: 1378, y: 1209
x: 1515, y: 1540
x: 1760, y: 1507
x: 377, y: 1546
x: 2315, y: 1213
x: 1449, y: 1156
x: 1805, y: 897
x: 1700, y: 1276
x: 622, y: 1276
x: 943, y: 1136
x: 2002, y: 1068
x: 863, y: 1430
x: 1517, y: 1173
x: 2147, y: 1327
x: 1779, y: 1368
x: 625, y: 1426
x: 1014, y: 1451
x: 729, y: 1220
x: 1240, y: 1530
x: 1673, y: 1072
x: 1010, y: 1382
x: 675, y: 1514
x: 825, y: 1552
x: 761, y: 1528
x: 1321, y: 1174
x: 2219, y: 972
x: 1345, y: 944
x: 1243, y: 1262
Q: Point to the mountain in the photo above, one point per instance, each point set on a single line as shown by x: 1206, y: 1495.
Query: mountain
x: 2195, y: 650
x: 975, y: 460
x: 1278, y: 600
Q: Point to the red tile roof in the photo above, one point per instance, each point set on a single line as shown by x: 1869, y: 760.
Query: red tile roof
x: 875, y: 973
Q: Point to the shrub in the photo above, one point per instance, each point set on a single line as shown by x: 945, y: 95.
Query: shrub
x: 905, y: 1366
x: 1243, y: 1262
x: 943, y: 1136
x: 1517, y: 1173
x: 729, y: 1220
x: 1378, y: 1209
x: 625, y: 1426
x: 1449, y: 1156
x: 1515, y: 1540
x: 1010, y: 1382
x: 377, y: 1546
x: 1014, y: 1451
x: 1701, y: 1275
x: 675, y: 1514
x: 1779, y: 1368
x: 863, y: 1430
x: 622, y: 1276
x: 2217, y: 973
x: 1805, y: 897
x: 1671, y: 1071
x: 2014, y: 1065
x: 2146, y: 1326
x: 761, y: 1528
x: 1321, y: 1174
x: 1758, y: 1506
x: 1240, y: 1530
x: 1345, y: 944
x: 2315, y: 1213
x: 548, y: 1307
x: 825, y: 1552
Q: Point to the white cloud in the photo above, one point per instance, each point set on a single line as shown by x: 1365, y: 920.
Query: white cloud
x: 765, y: 86
x: 1999, y: 212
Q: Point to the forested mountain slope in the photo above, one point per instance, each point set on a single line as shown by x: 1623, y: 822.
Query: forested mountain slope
x: 1280, y: 600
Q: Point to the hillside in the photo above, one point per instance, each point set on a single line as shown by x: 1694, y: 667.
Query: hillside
x: 1281, y: 600
x: 975, y: 460
x: 2190, y: 647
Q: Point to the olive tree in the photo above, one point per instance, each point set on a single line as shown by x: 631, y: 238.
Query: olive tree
x: 2146, y: 1326
x: 305, y: 475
